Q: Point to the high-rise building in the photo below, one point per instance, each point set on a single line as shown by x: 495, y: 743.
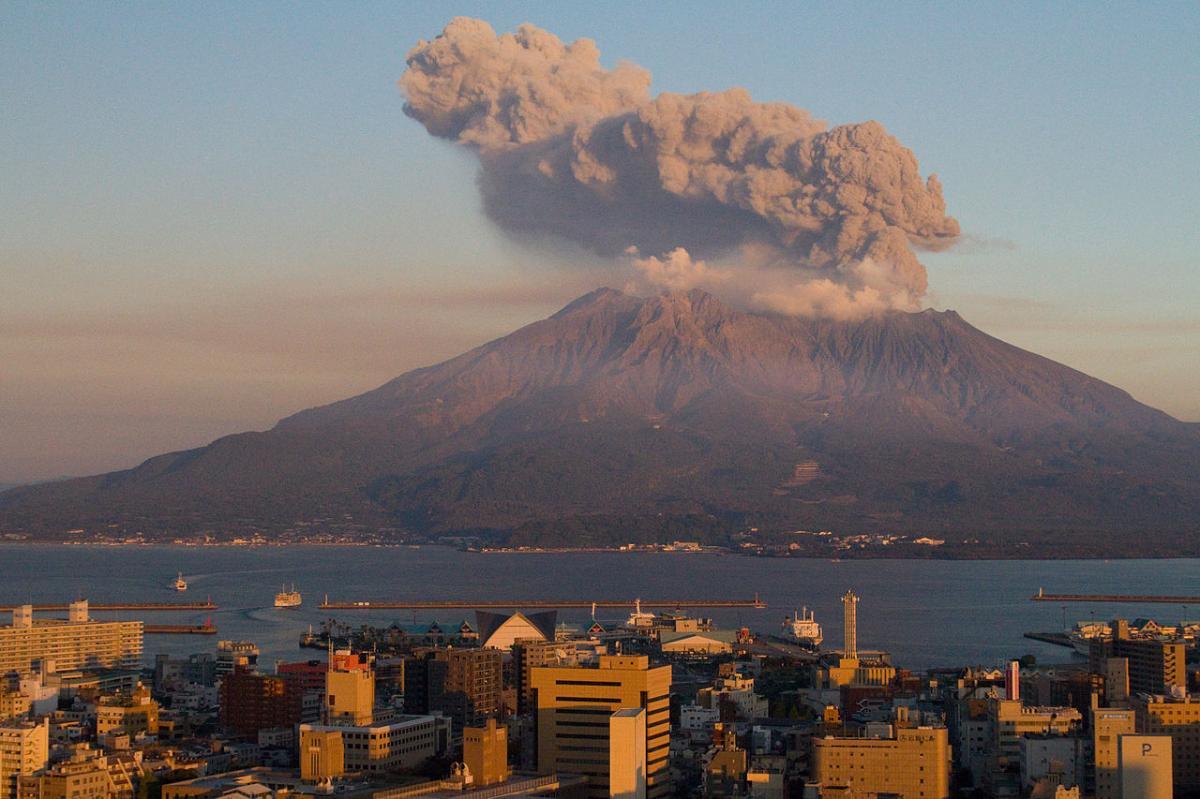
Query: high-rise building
x: 915, y: 764
x: 1180, y: 719
x: 1108, y: 725
x: 1012, y: 680
x: 574, y: 706
x: 1154, y: 667
x: 349, y: 690
x: 530, y: 654
x: 466, y: 684
x: 251, y: 702
x: 1146, y: 771
x: 24, y: 749
x: 76, y: 642
x: 849, y: 669
x: 485, y: 753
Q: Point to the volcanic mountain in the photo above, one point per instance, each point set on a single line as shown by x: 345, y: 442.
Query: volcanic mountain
x: 622, y: 418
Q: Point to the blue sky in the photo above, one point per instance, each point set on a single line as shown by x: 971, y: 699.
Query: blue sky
x: 217, y: 214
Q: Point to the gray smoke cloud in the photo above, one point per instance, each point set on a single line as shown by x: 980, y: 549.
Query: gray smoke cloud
x: 794, y: 216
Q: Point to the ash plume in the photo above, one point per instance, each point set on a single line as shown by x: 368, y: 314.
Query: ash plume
x: 775, y: 206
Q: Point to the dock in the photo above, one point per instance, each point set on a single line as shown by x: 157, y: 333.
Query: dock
x: 1137, y: 599
x: 548, y: 604
x: 155, y: 606
x: 179, y: 629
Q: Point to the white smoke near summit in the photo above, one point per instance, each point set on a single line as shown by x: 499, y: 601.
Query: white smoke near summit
x: 712, y: 190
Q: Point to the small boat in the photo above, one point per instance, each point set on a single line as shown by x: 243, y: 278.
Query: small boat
x: 639, y: 619
x: 180, y: 583
x: 286, y: 598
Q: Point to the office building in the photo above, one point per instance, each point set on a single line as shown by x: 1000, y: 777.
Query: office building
x: 529, y: 654
x: 86, y: 775
x: 1010, y: 720
x: 915, y: 764
x: 322, y: 754
x: 76, y: 642
x: 1145, y: 767
x: 1108, y: 725
x: 627, y: 754
x: 127, y: 714
x: 24, y: 749
x: 404, y: 742
x: 574, y: 706
x: 349, y: 690
x: 1180, y: 719
x: 485, y: 753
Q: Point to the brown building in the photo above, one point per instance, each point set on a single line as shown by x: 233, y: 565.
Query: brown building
x: 485, y: 753
x: 913, y: 765
x: 1154, y: 667
x: 574, y: 709
x: 251, y: 702
x: 527, y: 655
x: 466, y: 684
x: 127, y: 714
x: 1180, y: 719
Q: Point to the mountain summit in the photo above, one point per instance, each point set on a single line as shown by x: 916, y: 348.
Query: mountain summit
x: 623, y: 418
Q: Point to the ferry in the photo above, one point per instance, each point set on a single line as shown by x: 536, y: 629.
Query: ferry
x: 802, y: 628
x: 286, y: 598
x: 180, y: 583
x: 639, y: 619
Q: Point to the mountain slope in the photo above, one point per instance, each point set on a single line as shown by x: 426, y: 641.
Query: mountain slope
x: 627, y: 416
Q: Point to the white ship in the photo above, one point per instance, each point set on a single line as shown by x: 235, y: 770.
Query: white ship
x: 180, y: 583
x: 802, y: 628
x: 286, y: 598
x: 639, y: 619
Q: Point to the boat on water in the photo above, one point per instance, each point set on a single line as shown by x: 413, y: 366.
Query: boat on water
x: 639, y: 619
x: 180, y: 583
x: 802, y: 628
x: 286, y: 598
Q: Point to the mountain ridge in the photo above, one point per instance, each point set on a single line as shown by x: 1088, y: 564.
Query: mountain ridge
x: 675, y: 410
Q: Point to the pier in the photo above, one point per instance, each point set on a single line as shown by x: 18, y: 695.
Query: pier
x: 205, y: 605
x: 1058, y: 639
x: 1161, y: 599
x: 548, y: 604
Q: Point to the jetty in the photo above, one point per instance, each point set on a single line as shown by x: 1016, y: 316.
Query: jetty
x: 548, y: 604
x: 1161, y: 599
x: 1058, y: 639
x: 166, y: 606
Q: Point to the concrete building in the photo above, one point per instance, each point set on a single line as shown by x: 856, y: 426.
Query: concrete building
x: 529, y: 654
x: 1010, y: 720
x: 1154, y: 667
x: 1108, y: 725
x: 1180, y: 719
x: 322, y: 754
x: 251, y: 702
x: 1048, y: 759
x: 404, y: 742
x: 485, y: 753
x: 349, y: 691
x: 573, y: 709
x: 465, y: 684
x: 127, y: 714
x: 76, y: 642
x: 1146, y: 771
x: 849, y: 669
x: 915, y: 764
x: 24, y: 749
x: 86, y: 775
x: 627, y: 754
x: 737, y: 691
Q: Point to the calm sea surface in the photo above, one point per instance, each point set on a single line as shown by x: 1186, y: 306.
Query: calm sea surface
x: 927, y: 613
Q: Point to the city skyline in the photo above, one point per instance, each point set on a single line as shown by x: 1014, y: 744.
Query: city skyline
x: 223, y: 219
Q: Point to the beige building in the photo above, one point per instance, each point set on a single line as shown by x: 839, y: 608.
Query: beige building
x: 1108, y: 725
x: 913, y: 765
x: 322, y: 754
x: 574, y: 706
x: 404, y: 742
x: 1180, y: 719
x: 127, y: 714
x: 349, y: 691
x: 1010, y: 720
x: 627, y: 754
x: 485, y: 753
x: 1146, y: 767
x: 87, y: 775
x: 73, y: 643
x: 24, y: 749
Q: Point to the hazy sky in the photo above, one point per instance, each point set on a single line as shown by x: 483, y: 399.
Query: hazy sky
x: 213, y: 215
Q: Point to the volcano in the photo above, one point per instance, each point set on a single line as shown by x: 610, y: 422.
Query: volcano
x: 623, y: 418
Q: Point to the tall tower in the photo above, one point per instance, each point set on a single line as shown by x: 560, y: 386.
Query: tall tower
x: 850, y: 625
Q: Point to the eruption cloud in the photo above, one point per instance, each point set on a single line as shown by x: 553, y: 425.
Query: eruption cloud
x: 709, y: 189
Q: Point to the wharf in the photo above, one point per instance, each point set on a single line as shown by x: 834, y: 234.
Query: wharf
x: 1058, y: 639
x: 179, y: 629
x: 549, y: 604
x: 1162, y: 599
x: 205, y: 605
